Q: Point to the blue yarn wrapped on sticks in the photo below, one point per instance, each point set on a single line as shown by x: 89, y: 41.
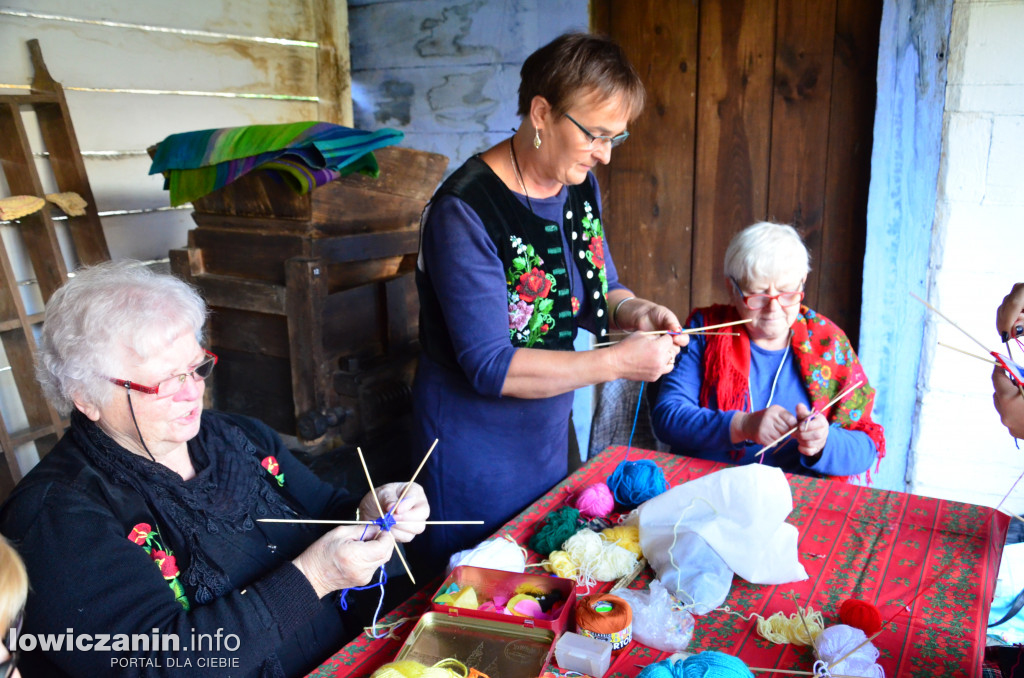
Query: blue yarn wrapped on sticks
x: 708, y: 664
x: 634, y: 482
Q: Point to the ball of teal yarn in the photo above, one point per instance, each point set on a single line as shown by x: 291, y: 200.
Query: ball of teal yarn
x: 663, y: 669
x: 634, y: 482
x: 713, y: 664
x: 709, y: 664
x: 559, y: 526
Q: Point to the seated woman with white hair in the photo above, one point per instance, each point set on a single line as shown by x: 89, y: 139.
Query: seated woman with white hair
x: 142, y: 522
x: 730, y: 396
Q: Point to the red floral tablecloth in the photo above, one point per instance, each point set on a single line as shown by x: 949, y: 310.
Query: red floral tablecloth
x: 935, y: 559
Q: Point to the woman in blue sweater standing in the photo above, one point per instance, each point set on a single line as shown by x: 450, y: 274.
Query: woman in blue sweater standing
x: 513, y: 259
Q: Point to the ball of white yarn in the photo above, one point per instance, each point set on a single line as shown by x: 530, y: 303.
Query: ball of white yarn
x: 494, y: 554
x: 836, y: 641
x: 600, y: 559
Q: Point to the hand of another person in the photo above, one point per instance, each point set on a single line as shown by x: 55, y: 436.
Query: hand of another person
x: 812, y: 431
x: 1009, y: 402
x: 339, y: 560
x: 644, y: 357
x: 414, y: 508
x: 1010, y: 315
x: 642, y: 315
x: 764, y: 426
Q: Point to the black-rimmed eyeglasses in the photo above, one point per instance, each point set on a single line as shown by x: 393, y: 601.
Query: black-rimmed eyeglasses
x: 603, y: 138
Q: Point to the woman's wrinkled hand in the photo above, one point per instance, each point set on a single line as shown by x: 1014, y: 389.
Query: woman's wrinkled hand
x: 339, y: 560
x: 641, y: 315
x: 1010, y: 314
x: 762, y: 427
x: 410, y: 514
x: 645, y: 357
x: 812, y: 431
x: 1009, y: 402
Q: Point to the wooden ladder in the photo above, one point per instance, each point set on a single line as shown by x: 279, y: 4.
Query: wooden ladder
x: 40, y: 242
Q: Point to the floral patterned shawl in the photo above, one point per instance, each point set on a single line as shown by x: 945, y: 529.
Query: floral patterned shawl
x: 825, y: 358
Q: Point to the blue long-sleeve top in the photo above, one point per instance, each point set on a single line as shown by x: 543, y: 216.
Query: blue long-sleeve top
x: 695, y: 431
x: 496, y: 453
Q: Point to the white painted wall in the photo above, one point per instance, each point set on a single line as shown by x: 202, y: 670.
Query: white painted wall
x: 961, y: 451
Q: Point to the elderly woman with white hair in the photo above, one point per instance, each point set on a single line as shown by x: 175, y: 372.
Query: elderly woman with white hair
x: 730, y: 396
x: 139, y: 529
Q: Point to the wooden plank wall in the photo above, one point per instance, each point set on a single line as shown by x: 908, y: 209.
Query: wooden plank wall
x: 757, y: 109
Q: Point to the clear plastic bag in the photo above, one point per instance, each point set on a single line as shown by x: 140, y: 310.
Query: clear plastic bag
x: 656, y: 622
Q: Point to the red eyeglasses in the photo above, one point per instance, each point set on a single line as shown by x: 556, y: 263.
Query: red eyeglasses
x: 755, y: 302
x: 172, y: 385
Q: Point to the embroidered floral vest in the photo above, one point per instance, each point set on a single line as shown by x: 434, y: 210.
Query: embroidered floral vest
x: 541, y: 310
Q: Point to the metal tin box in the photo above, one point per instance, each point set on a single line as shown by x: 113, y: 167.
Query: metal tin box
x: 496, y: 648
x: 490, y: 584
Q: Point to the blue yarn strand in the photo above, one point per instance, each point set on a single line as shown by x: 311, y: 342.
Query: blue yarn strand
x: 636, y: 416
x: 634, y: 482
x: 385, y: 523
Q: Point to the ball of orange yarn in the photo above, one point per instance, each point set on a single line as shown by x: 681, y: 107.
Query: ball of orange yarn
x: 861, y: 615
x: 605, y: 617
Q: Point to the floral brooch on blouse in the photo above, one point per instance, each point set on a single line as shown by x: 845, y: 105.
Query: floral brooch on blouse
x: 274, y: 469
x: 149, y: 539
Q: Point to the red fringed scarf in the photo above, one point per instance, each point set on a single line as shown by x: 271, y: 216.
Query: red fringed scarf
x: 824, y: 355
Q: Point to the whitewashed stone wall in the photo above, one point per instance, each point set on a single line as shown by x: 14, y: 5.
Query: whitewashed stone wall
x: 960, y: 449
x: 447, y: 73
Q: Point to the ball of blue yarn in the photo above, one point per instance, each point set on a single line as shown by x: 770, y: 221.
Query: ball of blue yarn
x: 634, y: 482
x: 708, y: 664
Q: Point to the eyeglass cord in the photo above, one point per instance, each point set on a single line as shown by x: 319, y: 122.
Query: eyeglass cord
x: 128, y: 391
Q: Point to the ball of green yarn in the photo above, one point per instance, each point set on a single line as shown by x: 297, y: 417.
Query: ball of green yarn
x: 559, y: 526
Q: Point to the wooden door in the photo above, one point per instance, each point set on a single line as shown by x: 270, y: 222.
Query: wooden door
x: 757, y: 109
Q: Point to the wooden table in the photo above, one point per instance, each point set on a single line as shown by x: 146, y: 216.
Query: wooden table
x: 936, y: 559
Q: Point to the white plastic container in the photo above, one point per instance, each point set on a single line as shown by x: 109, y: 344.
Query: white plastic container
x: 591, y: 656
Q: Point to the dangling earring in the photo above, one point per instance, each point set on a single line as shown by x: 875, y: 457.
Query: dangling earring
x: 536, y: 138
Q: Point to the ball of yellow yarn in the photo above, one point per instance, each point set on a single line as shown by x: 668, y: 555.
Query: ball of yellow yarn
x: 781, y: 629
x: 626, y: 536
x: 561, y: 564
x: 446, y: 668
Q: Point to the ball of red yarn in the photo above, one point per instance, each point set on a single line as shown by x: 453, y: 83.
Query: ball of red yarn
x: 861, y: 615
x: 594, y: 501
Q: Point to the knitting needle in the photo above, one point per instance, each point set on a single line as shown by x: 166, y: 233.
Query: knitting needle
x: 1012, y: 515
x: 796, y: 673
x: 943, y: 316
x: 813, y: 414
x: 720, y: 334
x: 413, y: 479
x: 627, y: 579
x: 309, y: 521
x: 973, y: 355
x: 698, y: 330
x: 380, y: 512
x: 803, y: 620
x: 969, y: 336
x: 866, y: 641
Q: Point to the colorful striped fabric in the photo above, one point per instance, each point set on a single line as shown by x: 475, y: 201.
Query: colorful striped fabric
x: 307, y: 154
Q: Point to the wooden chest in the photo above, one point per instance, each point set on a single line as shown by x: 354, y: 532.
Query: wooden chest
x: 312, y: 297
